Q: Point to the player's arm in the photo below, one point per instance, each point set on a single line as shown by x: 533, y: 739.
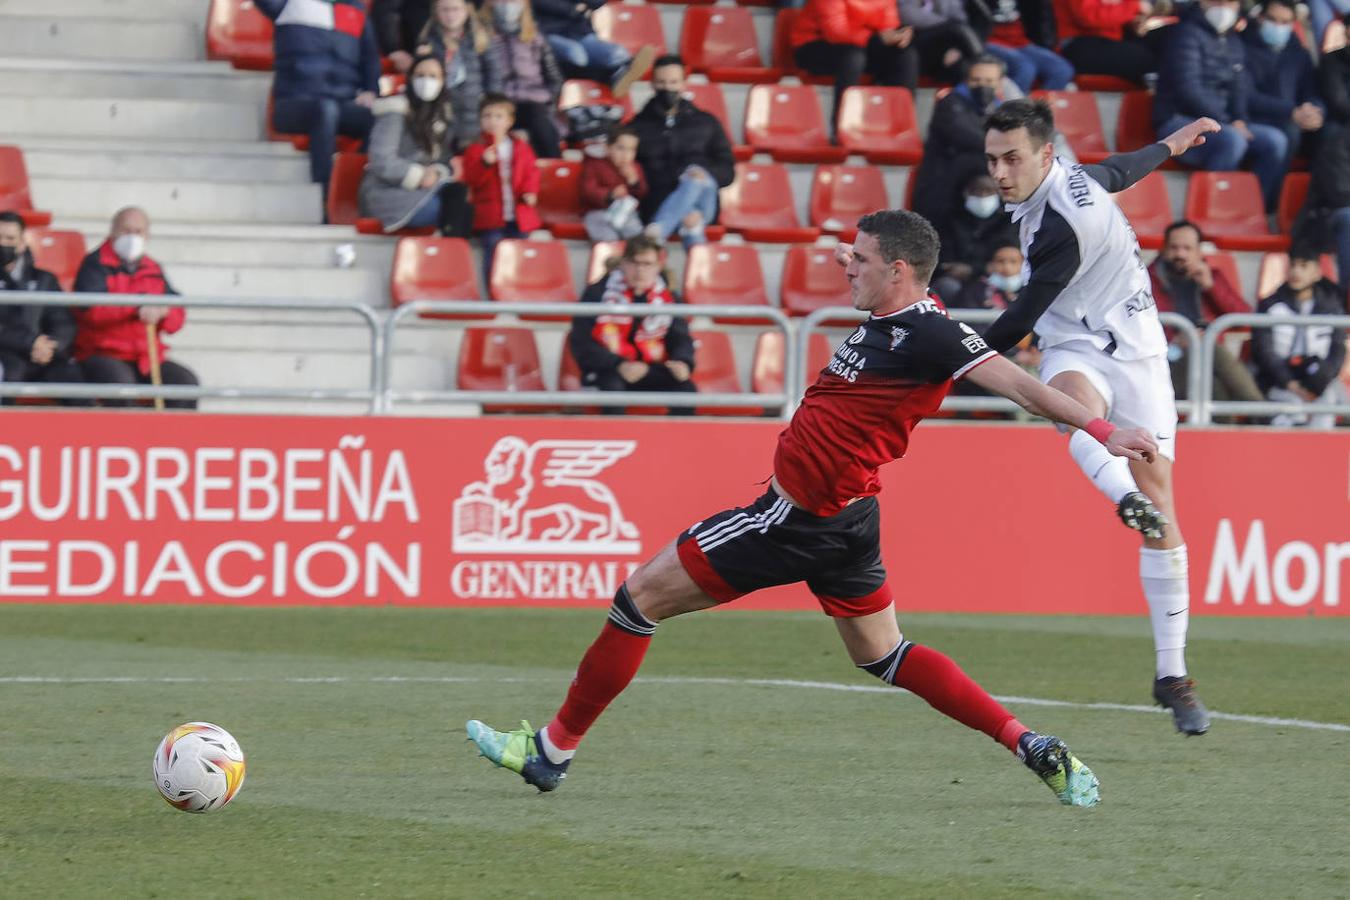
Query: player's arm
x: 1054, y: 258
x: 1000, y: 376
x: 1116, y: 173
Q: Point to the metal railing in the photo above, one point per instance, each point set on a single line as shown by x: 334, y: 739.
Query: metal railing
x: 1209, y: 407
x: 753, y: 403
x: 369, y: 395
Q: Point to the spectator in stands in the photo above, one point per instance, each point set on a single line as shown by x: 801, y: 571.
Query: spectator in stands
x: 685, y: 155
x: 1301, y: 364
x: 999, y: 283
x: 1284, y: 90
x: 942, y: 36
x: 1328, y: 19
x: 112, y: 343
x: 35, y: 341
x: 634, y: 353
x: 969, y: 236
x: 954, y: 148
x: 1025, y: 43
x: 413, y: 179
x: 850, y: 38
x: 1203, y: 75
x: 1325, y: 218
x: 460, y: 41
x: 523, y: 68
x: 398, y: 28
x: 500, y: 170
x: 327, y: 74
x: 612, y: 186
x: 567, y: 26
x: 1184, y: 282
x: 1105, y: 37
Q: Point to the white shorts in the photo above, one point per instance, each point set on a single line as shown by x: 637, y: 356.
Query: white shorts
x: 1138, y: 392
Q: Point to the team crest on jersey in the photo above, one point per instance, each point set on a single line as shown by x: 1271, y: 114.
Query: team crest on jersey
x: 898, y: 336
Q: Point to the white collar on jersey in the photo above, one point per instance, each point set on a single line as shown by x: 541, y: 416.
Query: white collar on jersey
x: 1020, y: 210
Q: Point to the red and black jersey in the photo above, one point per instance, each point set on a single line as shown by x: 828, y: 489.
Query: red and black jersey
x: 882, y: 380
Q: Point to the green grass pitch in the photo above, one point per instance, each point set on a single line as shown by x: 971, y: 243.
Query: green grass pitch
x: 360, y: 783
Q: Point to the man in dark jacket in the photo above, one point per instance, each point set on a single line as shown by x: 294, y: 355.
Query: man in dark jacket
x: 1283, y: 78
x: 954, y: 149
x: 1301, y: 365
x: 970, y: 234
x: 1203, y: 73
x: 634, y: 353
x: 686, y: 156
x: 1325, y: 220
x: 34, y: 340
x: 327, y: 74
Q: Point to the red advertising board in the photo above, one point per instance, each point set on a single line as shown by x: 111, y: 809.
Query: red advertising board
x: 177, y: 508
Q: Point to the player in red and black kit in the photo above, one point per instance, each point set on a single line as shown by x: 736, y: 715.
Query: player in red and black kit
x: 820, y: 521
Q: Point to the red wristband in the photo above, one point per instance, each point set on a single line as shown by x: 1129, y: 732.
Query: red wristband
x: 1100, y: 429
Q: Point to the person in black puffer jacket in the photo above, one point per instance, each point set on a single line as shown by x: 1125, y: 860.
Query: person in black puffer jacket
x: 1324, y: 221
x: 34, y: 340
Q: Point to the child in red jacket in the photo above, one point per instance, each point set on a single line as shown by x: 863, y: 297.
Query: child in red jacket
x: 502, y: 177
x: 611, y: 186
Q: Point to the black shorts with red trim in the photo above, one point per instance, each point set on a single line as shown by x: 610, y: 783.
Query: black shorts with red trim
x: 772, y: 542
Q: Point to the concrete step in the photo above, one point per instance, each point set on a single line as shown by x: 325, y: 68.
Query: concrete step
x: 201, y: 201
x: 375, y: 254
x: 66, y: 37
x: 157, y: 10
x: 294, y: 283
x: 147, y: 145
x: 117, y: 79
x: 171, y: 120
x: 230, y: 368
x: 158, y: 165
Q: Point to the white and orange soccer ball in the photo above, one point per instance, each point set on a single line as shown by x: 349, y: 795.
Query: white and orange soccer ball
x: 199, y: 767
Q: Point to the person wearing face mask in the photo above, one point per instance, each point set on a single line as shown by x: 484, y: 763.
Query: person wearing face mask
x: 998, y: 285
x: 1204, y: 75
x: 969, y: 236
x: 35, y: 340
x: 685, y: 155
x: 112, y: 342
x: 412, y: 179
x: 1283, y: 78
x: 953, y: 151
x: 458, y: 39
x: 522, y: 67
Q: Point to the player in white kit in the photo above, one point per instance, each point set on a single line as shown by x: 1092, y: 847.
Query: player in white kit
x: 1088, y: 298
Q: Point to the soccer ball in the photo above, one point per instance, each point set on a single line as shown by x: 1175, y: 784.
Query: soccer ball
x: 198, y: 767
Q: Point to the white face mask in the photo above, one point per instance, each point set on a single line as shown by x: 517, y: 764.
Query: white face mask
x: 427, y: 88
x: 1221, y: 17
x: 130, y: 247
x: 1009, y: 284
x: 982, y: 207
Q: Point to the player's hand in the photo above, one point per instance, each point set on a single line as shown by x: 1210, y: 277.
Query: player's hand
x: 1132, y: 443
x: 843, y: 254
x: 1192, y: 135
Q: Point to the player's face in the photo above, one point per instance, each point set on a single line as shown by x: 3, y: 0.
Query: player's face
x: 641, y: 271
x: 1015, y: 164
x: 872, y: 281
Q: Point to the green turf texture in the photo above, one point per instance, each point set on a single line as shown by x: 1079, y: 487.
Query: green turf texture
x: 367, y: 788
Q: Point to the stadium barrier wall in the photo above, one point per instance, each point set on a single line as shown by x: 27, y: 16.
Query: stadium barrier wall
x: 179, y: 508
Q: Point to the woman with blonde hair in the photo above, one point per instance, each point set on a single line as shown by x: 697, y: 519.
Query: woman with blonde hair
x: 520, y: 65
x: 456, y: 37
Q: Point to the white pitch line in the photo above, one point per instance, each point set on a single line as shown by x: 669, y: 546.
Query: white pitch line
x: 1269, y: 721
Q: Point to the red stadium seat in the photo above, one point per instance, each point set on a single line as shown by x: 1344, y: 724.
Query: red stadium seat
x: 1148, y: 207
x: 601, y: 253
x: 1293, y: 193
x: 766, y: 372
x: 238, y: 32
x: 840, y: 195
x: 880, y: 123
x: 500, y: 359
x: 1134, y: 123
x: 1109, y: 84
x: 708, y: 97
x: 759, y: 205
x: 1077, y: 118
x: 582, y: 92
x: 630, y: 25
x: 59, y: 252
x: 1227, y: 206
x: 525, y: 271
x: 721, y: 42
x: 343, y: 187
x: 715, y: 372
x: 785, y: 121
x: 14, y: 191
x: 434, y: 268
x: 726, y: 275
x: 1274, y: 268
x: 812, y: 280
x: 559, y: 200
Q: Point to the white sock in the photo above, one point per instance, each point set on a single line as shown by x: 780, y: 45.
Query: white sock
x: 1111, y: 474
x: 554, y: 754
x: 1163, y: 573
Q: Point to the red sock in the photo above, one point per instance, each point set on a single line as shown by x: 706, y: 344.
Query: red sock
x: 605, y: 671
x: 941, y: 682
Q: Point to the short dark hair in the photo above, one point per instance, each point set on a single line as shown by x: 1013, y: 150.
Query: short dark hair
x: 641, y: 243
x: 904, y: 235
x: 668, y: 59
x: 619, y: 131
x: 987, y: 59
x: 1033, y: 115
x: 1305, y: 250
x: 492, y: 98
x: 1180, y: 224
x: 13, y: 218
x: 1287, y: 4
